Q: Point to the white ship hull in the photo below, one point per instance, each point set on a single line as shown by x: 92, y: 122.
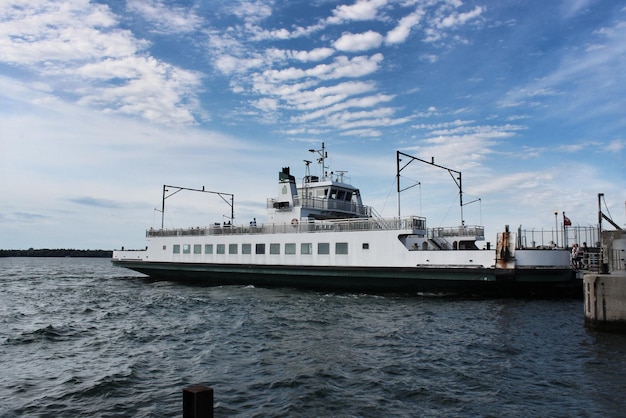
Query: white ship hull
x: 316, y: 256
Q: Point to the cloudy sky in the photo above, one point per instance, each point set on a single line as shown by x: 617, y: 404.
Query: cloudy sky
x: 104, y: 102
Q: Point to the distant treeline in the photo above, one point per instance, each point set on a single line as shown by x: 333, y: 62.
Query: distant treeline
x: 45, y: 252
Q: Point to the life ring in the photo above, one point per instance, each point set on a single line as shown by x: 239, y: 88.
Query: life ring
x: 294, y: 222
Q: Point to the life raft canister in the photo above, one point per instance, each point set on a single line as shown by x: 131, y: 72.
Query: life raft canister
x: 294, y: 222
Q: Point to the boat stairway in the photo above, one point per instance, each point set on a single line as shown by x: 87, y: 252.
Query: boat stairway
x: 439, y: 243
x: 380, y: 221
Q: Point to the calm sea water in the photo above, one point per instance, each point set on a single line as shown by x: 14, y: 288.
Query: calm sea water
x: 79, y: 337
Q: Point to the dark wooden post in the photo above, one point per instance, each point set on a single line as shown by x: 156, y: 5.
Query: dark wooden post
x: 198, y: 402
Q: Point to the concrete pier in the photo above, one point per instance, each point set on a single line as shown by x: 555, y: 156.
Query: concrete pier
x: 605, y: 301
x: 605, y: 292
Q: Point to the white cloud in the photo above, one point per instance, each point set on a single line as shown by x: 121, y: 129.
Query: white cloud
x: 251, y: 12
x: 75, y: 43
x: 616, y: 145
x: 317, y: 54
x: 402, y: 31
x: 357, y: 102
x: 341, y: 67
x: 56, y: 34
x: 356, y: 42
x: 430, y: 58
x: 361, y: 10
x: 266, y: 104
x: 165, y: 18
x: 443, y: 21
x: 364, y: 133
x: 457, y: 19
x: 153, y: 89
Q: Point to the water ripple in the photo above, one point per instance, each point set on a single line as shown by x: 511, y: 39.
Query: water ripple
x: 84, y: 338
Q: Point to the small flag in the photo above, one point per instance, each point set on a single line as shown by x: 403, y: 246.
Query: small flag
x: 566, y: 221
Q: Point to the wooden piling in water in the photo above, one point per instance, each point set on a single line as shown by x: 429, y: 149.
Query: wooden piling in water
x: 198, y: 402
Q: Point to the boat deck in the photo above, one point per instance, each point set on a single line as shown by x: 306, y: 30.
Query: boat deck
x: 413, y: 224
x: 410, y: 225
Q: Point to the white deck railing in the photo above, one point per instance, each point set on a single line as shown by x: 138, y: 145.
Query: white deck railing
x: 412, y: 224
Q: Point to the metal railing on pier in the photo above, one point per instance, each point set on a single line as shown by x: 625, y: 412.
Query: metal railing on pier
x: 559, y: 238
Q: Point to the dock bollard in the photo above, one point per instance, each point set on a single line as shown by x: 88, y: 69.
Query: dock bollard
x: 198, y: 402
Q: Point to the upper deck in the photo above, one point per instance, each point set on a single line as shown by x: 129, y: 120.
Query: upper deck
x: 415, y: 225
x: 411, y: 224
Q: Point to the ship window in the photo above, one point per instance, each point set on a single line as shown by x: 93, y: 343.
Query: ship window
x: 341, y: 195
x: 323, y: 248
x: 208, y: 248
x: 366, y: 245
x: 232, y: 248
x: 186, y: 249
x: 306, y: 248
x: 221, y: 249
x: 274, y: 248
x: 290, y: 248
x: 246, y: 248
x: 176, y: 249
x: 260, y: 249
x: 197, y: 249
x: 164, y: 247
x: 341, y: 248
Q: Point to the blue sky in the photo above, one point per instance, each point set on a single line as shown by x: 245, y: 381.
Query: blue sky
x: 104, y: 102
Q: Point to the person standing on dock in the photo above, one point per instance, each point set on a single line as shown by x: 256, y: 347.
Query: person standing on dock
x: 585, y: 255
x: 576, y: 256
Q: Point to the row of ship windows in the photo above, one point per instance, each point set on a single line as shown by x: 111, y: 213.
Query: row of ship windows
x: 289, y: 248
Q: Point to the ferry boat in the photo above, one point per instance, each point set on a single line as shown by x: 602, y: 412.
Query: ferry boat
x: 319, y: 235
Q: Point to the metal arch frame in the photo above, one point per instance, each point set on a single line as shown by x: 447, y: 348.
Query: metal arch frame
x: 179, y: 189
x: 457, y: 179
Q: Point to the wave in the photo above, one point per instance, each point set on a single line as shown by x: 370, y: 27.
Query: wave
x: 48, y: 333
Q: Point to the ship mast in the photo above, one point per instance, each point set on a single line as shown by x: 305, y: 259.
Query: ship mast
x: 321, y: 160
